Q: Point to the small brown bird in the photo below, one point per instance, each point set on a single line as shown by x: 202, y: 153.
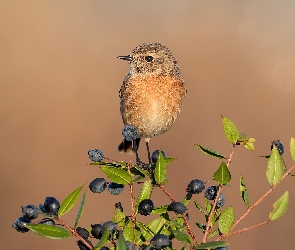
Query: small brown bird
x: 152, y: 93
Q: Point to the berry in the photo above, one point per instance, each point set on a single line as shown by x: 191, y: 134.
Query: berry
x: 115, y: 188
x: 30, y: 212
x: 95, y: 155
x: 279, y: 146
x: 104, y: 248
x: 160, y: 241
x: 97, y: 231
x: 177, y: 207
x: 119, y: 206
x: 221, y: 248
x: 129, y: 133
x: 130, y: 246
x: 20, y: 225
x: 112, y: 227
x: 195, y: 186
x: 47, y: 221
x: 211, y: 192
x: 82, y: 246
x: 51, y: 205
x: 82, y: 232
x: 155, y: 155
x: 145, y: 207
x: 220, y: 201
x: 98, y: 185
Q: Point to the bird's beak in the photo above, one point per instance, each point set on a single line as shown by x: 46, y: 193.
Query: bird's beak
x: 127, y: 58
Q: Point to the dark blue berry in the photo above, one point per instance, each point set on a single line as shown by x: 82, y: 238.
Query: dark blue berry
x: 129, y: 133
x: 82, y: 246
x: 145, y: 207
x: 82, y: 232
x: 47, y: 221
x: 177, y: 207
x: 220, y: 201
x: 221, y: 248
x: 211, y: 192
x: 95, y: 155
x: 51, y: 205
x: 97, y: 231
x: 19, y: 225
x: 160, y: 241
x: 98, y: 185
x: 115, y: 188
x: 30, y: 212
x: 196, y: 186
x: 279, y: 146
x: 155, y: 155
x: 112, y: 227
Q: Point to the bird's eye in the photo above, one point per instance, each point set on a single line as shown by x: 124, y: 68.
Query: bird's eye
x: 149, y: 58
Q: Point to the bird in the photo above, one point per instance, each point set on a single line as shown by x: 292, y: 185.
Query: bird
x: 152, y: 93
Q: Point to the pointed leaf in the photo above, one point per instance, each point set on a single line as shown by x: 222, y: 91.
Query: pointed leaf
x: 51, y: 232
x: 211, y: 245
x: 210, y: 152
x: 198, y: 206
x: 103, y: 240
x: 70, y: 201
x: 80, y: 210
x: 226, y: 220
x: 187, y: 198
x: 243, y: 191
x: 119, y: 218
x: 161, y: 170
x: 145, y: 231
x: 157, y: 224
x: 160, y: 210
x: 292, y: 148
x: 144, y: 194
x: 121, y: 242
x: 213, y: 233
x: 280, y: 206
x: 208, y: 207
x: 201, y: 226
x: 183, y: 237
x: 117, y: 175
x: 249, y: 145
x: 128, y: 232
x: 275, y: 167
x: 222, y: 175
x: 230, y: 130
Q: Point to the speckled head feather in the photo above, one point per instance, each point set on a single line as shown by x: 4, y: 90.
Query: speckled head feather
x: 152, y: 93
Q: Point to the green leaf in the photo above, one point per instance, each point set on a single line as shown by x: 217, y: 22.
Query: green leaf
x: 145, y: 231
x: 156, y: 225
x: 187, y: 198
x: 292, y: 148
x: 211, y: 245
x: 121, y: 242
x: 208, y: 206
x: 160, y: 210
x: 198, y: 206
x: 280, y: 206
x: 128, y: 232
x: 70, y: 201
x: 80, y: 210
x: 181, y: 236
x: 226, y: 220
x: 230, y: 130
x: 201, y: 226
x: 51, y: 232
x: 213, y: 233
x: 103, y: 240
x: 222, y: 175
x: 117, y: 175
x: 145, y: 193
x: 249, y: 145
x: 210, y: 152
x: 161, y: 170
x: 244, y: 192
x: 119, y: 164
x: 275, y: 167
x: 119, y: 218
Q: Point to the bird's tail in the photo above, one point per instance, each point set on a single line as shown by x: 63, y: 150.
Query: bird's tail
x: 127, y: 147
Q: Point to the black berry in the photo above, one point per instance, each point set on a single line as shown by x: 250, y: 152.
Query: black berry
x: 95, y: 155
x: 211, y: 192
x: 279, y: 146
x: 129, y: 133
x: 155, y: 155
x: 221, y: 248
x: 47, y: 221
x: 82, y: 232
x: 195, y: 186
x: 130, y: 246
x: 97, y: 231
x: 115, y: 188
x: 82, y: 246
x: 118, y: 205
x: 177, y: 207
x: 19, y: 225
x: 112, y: 227
x: 51, y: 205
x: 220, y: 201
x: 145, y: 207
x: 160, y: 241
x: 98, y: 185
x: 30, y: 212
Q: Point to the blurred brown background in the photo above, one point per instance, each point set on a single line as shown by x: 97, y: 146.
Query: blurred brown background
x: 59, y: 83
